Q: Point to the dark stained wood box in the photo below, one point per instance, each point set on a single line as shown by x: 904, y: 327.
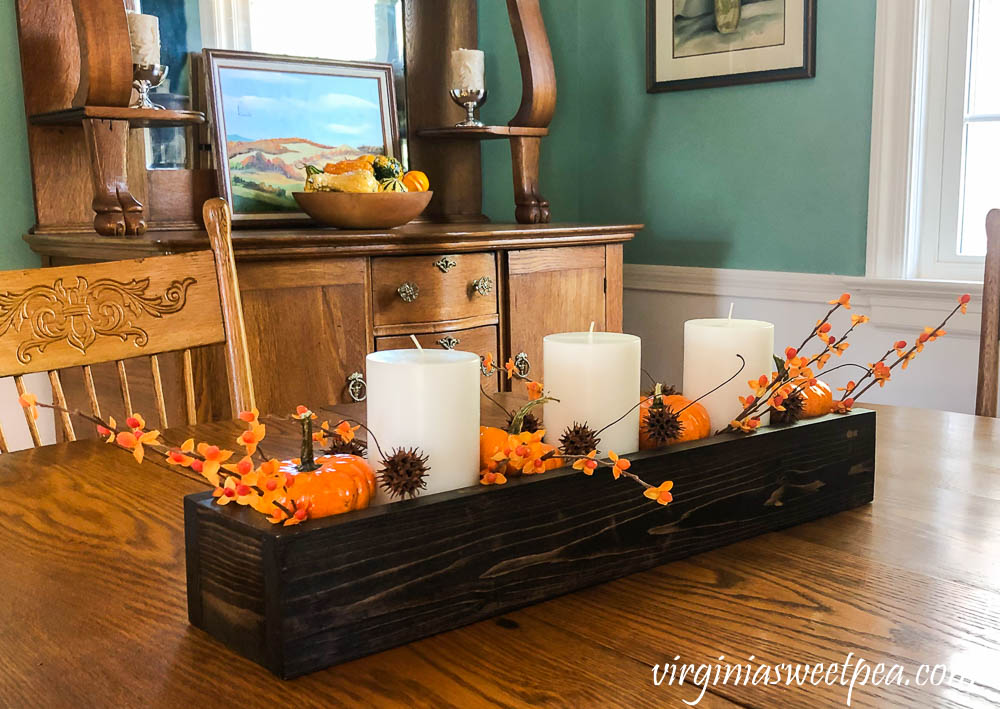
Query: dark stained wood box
x: 298, y: 599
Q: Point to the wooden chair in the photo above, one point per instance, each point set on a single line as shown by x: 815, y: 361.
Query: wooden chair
x: 52, y: 319
x: 986, y: 388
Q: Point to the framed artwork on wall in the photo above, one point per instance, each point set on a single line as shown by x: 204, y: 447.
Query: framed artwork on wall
x: 273, y: 115
x: 698, y: 44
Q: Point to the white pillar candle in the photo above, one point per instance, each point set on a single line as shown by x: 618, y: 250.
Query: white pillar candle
x: 595, y: 376
x: 426, y: 399
x: 468, y: 69
x: 710, y: 349
x: 144, y: 33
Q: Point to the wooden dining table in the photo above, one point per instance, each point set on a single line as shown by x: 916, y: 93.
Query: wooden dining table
x: 93, y: 610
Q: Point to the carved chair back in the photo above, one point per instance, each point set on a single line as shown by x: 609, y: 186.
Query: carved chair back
x: 986, y: 389
x: 52, y: 319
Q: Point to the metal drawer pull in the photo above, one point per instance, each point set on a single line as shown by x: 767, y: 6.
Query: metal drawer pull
x: 357, y: 387
x: 449, y: 342
x: 483, y: 286
x: 482, y: 367
x: 446, y: 263
x: 521, y: 364
x: 408, y: 292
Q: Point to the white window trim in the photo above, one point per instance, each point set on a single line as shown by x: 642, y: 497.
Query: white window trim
x: 225, y: 24
x: 897, y: 180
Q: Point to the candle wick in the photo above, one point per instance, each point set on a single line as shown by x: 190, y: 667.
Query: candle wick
x: 592, y: 323
x: 416, y: 342
x: 731, y: 306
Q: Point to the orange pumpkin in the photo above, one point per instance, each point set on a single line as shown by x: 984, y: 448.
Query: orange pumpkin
x: 694, y: 420
x: 817, y: 400
x: 416, y: 181
x: 495, y: 440
x: 340, y: 484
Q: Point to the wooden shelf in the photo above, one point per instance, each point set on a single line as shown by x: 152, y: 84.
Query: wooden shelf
x: 137, y: 117
x: 482, y: 133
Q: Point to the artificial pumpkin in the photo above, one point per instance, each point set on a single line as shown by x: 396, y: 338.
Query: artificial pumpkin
x: 817, y: 399
x: 691, y: 418
x: 393, y: 184
x: 340, y: 484
x: 386, y: 168
x: 416, y: 181
x: 328, y: 485
x: 496, y: 440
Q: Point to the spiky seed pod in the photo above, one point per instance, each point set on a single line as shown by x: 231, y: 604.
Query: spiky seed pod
x: 578, y: 439
x: 352, y: 447
x: 403, y: 472
x: 794, y: 406
x: 665, y: 390
x: 529, y: 424
x: 662, y: 425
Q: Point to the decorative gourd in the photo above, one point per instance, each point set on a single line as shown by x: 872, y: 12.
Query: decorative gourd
x: 817, y: 400
x: 393, y: 184
x: 357, y: 181
x: 386, y: 168
x: 416, y: 181
x: 339, y: 168
x: 674, y: 420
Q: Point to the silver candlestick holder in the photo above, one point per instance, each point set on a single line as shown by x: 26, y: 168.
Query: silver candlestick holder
x: 470, y: 100
x: 145, y: 78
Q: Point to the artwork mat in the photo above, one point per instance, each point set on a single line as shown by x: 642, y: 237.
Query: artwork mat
x: 795, y: 59
x: 217, y: 60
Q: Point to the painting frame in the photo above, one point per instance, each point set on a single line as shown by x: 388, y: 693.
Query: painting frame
x: 217, y: 61
x: 805, y: 70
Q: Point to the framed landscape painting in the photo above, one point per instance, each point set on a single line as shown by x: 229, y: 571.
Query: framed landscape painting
x: 697, y: 44
x: 274, y: 115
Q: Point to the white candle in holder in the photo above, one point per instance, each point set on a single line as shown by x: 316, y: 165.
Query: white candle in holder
x: 595, y: 376
x: 426, y: 399
x: 144, y: 33
x: 468, y: 69
x: 710, y: 349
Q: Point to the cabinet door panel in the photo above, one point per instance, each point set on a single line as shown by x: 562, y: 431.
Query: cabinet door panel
x: 307, y: 329
x: 553, y: 290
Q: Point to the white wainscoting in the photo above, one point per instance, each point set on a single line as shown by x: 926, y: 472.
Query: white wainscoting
x: 658, y: 299
x: 12, y: 417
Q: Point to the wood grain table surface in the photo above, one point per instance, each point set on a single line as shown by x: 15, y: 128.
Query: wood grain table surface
x: 93, y: 611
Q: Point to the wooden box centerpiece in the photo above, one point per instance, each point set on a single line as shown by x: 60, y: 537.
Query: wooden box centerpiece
x: 302, y: 598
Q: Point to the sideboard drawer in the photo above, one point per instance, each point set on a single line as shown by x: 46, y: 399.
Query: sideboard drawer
x: 415, y: 289
x: 479, y: 340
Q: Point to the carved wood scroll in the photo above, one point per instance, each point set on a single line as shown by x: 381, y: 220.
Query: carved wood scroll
x: 54, y: 318
x: 538, y: 105
x: 105, y: 53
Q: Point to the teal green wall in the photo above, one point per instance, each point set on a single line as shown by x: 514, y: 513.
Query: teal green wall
x: 17, y: 212
x: 772, y: 176
x: 769, y: 176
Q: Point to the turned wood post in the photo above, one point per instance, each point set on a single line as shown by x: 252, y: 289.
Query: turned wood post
x: 538, y: 105
x: 106, y: 80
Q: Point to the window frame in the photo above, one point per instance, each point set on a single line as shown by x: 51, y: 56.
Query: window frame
x: 921, y: 68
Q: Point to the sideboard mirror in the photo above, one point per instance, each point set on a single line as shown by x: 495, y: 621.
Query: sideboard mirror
x: 350, y: 30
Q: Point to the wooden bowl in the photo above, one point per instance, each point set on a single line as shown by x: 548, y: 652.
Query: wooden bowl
x: 363, y: 210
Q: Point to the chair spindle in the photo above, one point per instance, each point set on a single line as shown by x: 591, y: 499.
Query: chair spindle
x: 59, y: 399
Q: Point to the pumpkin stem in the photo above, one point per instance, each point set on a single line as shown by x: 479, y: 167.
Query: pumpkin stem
x: 517, y: 423
x: 307, y: 462
x: 657, y: 397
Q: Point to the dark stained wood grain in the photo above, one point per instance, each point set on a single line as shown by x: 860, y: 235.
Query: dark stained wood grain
x: 299, y: 599
x: 94, y: 597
